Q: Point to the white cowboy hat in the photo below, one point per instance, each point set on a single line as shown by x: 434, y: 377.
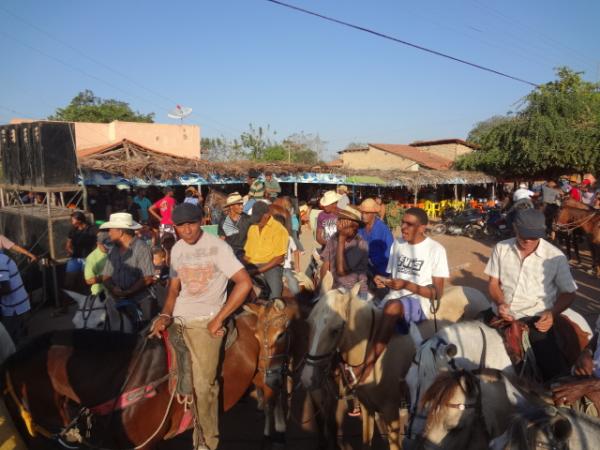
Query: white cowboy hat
x: 233, y: 199
x: 329, y: 198
x: 342, y: 188
x: 369, y: 205
x: 121, y: 221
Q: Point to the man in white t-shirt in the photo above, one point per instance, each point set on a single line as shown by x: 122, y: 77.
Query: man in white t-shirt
x: 522, y: 193
x: 201, y: 266
x: 418, y: 268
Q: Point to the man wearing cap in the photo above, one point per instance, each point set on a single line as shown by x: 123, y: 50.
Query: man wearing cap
x: 530, y: 280
x: 233, y: 228
x: 327, y: 219
x: 201, y: 266
x: 256, y: 192
x: 128, y: 272
x: 272, y: 187
x: 95, y: 262
x: 266, y: 247
x: 344, y: 201
x: 162, y: 211
x: 346, y: 254
x: 378, y: 236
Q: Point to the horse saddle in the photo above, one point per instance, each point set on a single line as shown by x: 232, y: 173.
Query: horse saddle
x: 178, y: 357
x: 570, y: 338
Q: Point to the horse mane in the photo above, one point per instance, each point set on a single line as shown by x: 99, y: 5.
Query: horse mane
x: 442, y: 390
x: 574, y: 204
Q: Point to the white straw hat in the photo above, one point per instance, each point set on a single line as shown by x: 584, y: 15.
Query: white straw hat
x: 329, y: 198
x: 121, y: 221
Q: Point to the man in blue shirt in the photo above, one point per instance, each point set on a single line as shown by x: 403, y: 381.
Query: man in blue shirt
x: 378, y: 236
x: 144, y: 203
x: 14, y: 300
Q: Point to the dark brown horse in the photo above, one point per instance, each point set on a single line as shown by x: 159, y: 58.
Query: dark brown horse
x: 573, y: 216
x: 110, y: 390
x: 214, y: 204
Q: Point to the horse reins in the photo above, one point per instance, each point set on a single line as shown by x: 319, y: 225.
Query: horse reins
x: 572, y: 226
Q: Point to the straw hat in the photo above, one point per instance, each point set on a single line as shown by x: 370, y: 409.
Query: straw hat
x: 369, y: 205
x: 350, y: 214
x: 342, y: 188
x: 574, y: 179
x: 233, y: 199
x: 191, y: 189
x: 329, y: 198
x: 122, y: 221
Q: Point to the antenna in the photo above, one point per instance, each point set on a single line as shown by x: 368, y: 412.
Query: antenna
x: 179, y: 112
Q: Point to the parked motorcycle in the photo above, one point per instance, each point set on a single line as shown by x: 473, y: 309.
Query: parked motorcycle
x: 469, y: 222
x: 496, y: 226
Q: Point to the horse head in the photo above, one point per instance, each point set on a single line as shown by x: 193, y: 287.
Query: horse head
x: 534, y: 428
x: 327, y: 322
x: 272, y: 333
x: 91, y: 311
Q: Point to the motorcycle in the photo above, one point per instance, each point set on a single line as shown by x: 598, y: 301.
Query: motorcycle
x: 469, y: 222
x: 496, y: 226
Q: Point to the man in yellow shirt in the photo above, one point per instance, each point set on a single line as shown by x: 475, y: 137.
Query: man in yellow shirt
x: 265, y: 248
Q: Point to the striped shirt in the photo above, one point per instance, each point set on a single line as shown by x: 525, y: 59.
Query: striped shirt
x: 17, y: 301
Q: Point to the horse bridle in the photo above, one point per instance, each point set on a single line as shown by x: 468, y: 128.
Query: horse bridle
x: 282, y: 368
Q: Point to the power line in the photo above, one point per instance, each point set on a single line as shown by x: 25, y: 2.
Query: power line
x: 400, y: 41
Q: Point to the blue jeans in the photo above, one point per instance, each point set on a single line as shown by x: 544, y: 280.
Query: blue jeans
x: 292, y: 283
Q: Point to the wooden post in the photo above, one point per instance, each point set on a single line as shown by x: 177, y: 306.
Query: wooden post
x: 456, y: 192
x: 296, y: 189
x: 416, y: 196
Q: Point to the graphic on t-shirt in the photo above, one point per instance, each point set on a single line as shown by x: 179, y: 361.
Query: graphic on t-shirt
x: 195, y: 279
x: 329, y: 228
x: 411, y: 266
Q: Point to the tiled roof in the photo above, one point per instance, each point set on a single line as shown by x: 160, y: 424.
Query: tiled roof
x: 334, y: 163
x: 422, y: 157
x: 444, y: 141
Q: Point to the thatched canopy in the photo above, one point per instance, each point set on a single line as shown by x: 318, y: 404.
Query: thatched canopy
x: 134, y: 161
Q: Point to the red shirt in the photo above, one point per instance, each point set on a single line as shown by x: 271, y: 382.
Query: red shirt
x: 575, y: 194
x: 165, y: 205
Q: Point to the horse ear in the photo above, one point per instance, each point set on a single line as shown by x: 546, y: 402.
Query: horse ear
x: 252, y: 308
x: 279, y: 304
x: 562, y: 429
x: 326, y: 283
x: 355, y: 290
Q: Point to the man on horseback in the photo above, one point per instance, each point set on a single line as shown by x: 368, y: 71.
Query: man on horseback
x: 530, y: 281
x: 201, y: 266
x: 418, y: 267
x: 233, y: 228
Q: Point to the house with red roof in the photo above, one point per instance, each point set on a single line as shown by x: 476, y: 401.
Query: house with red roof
x: 433, y: 155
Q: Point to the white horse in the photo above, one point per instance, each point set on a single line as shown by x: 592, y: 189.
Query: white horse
x: 95, y: 312
x: 341, y: 323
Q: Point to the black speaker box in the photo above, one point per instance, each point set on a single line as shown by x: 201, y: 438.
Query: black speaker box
x: 38, y: 154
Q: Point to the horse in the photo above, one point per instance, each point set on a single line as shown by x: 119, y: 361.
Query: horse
x: 538, y: 427
x: 466, y: 345
x: 111, y: 390
x: 574, y: 215
x: 214, y: 204
x: 343, y: 325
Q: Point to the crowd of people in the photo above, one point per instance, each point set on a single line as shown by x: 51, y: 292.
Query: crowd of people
x: 208, y: 277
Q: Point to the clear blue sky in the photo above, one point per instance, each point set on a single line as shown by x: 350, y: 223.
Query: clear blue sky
x: 237, y: 62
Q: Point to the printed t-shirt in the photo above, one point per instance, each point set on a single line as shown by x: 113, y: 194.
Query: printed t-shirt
x: 257, y: 189
x: 264, y: 245
x: 203, y: 269
x: 327, y: 222
x: 417, y: 263
x: 94, y: 267
x: 165, y: 205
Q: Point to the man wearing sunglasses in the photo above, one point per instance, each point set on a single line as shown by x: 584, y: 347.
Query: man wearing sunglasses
x: 418, y: 267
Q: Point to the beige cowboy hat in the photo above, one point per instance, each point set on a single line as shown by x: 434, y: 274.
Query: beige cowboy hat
x: 329, y: 198
x: 122, y: 221
x: 233, y: 199
x: 369, y: 205
x: 350, y: 214
x: 342, y: 188
x: 191, y: 189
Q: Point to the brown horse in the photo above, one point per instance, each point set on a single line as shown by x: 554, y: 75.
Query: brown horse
x: 574, y: 215
x: 214, y: 204
x: 110, y: 390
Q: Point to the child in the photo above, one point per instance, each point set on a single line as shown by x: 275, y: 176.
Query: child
x: 161, y: 268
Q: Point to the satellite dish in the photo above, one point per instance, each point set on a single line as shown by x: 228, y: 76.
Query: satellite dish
x: 179, y: 112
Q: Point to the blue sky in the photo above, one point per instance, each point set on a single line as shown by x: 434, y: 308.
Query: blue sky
x: 237, y: 62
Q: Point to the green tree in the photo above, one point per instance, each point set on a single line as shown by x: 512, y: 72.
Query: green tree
x: 221, y: 149
x: 256, y: 140
x: 482, y: 128
x: 556, y: 130
x: 86, y: 107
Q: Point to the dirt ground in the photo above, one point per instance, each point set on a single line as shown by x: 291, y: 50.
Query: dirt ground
x: 242, y: 426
